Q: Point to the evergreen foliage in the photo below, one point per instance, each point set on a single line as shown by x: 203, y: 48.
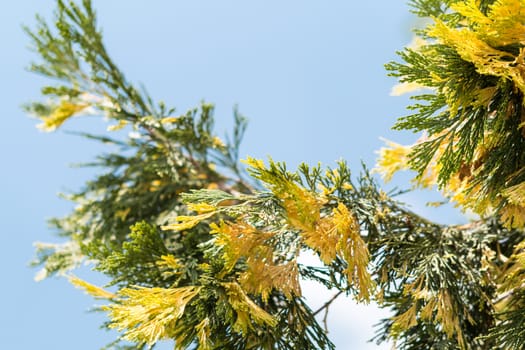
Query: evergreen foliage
x: 202, y: 252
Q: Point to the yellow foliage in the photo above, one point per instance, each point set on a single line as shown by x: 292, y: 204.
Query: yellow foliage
x: 248, y: 313
x: 186, y: 222
x: 169, y: 265
x: 155, y: 185
x: 339, y: 235
x: 254, y: 163
x: 121, y: 125
x: 326, y: 191
x: 263, y: 276
x: 405, y: 88
x: 323, y: 237
x: 512, y: 276
x: 169, y: 120
x: 60, y: 114
x: 447, y: 315
x: 146, y: 315
x: 513, y: 215
x: 330, y: 236
x: 169, y: 261
x: 392, y: 159
x: 203, y: 333
x: 201, y: 208
x: 353, y: 248
x: 459, y: 188
x: 405, y: 321
x: 427, y: 311
x: 212, y: 186
x: 515, y: 194
x: 437, y: 307
x: 302, y: 207
x: 503, y: 25
x: 348, y: 187
x: 91, y: 289
x: 218, y: 143
x: 333, y: 235
x: 122, y: 214
x: 241, y: 239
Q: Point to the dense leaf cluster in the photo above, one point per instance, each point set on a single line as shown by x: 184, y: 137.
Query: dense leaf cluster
x: 469, y: 60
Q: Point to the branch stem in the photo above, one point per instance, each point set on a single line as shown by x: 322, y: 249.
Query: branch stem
x: 328, y: 303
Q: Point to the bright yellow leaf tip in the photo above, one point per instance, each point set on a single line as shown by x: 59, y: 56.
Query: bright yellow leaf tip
x: 392, y: 159
x: 60, y: 114
x: 147, y: 315
x: 91, y: 289
x: 185, y: 222
x: 248, y: 313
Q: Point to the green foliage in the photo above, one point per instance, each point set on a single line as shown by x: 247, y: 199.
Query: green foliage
x: 474, y: 117
x: 206, y: 254
x: 134, y: 262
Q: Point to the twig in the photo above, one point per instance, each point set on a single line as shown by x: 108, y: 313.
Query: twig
x: 325, y: 307
x: 507, y: 294
x: 327, y: 304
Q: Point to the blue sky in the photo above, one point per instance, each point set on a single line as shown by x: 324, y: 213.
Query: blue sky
x: 308, y: 74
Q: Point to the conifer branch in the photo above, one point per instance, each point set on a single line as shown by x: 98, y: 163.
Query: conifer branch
x: 205, y: 253
x: 327, y: 304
